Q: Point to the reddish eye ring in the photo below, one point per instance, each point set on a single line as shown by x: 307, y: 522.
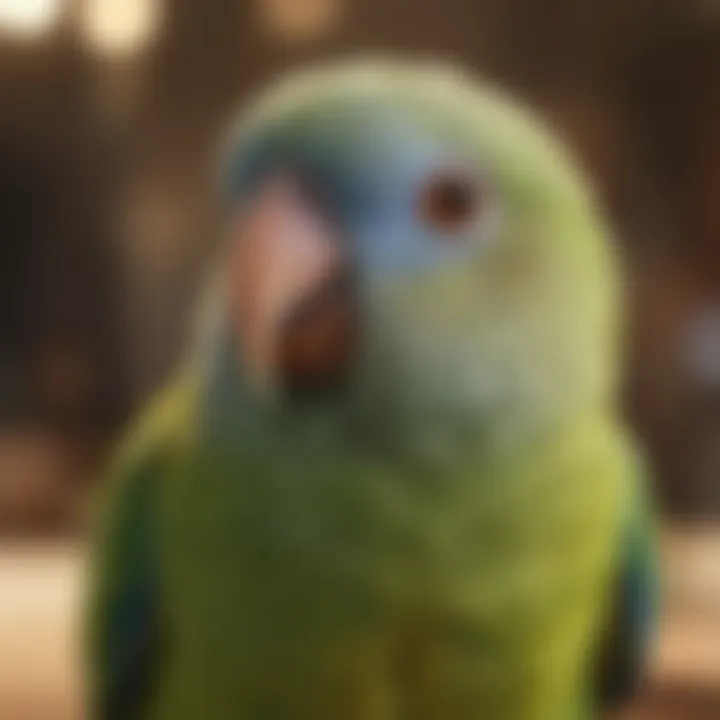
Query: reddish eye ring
x: 450, y: 201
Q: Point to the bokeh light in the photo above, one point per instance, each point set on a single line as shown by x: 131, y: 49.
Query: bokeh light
x: 121, y: 28
x: 300, y: 20
x: 29, y: 18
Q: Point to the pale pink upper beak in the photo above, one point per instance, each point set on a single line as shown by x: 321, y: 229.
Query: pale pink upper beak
x: 284, y: 249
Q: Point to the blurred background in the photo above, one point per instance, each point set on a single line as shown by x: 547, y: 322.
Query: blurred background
x: 110, y: 113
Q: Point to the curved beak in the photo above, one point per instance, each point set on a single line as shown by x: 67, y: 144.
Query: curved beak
x: 290, y: 303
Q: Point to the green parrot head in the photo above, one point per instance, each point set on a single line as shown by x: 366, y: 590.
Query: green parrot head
x: 403, y: 239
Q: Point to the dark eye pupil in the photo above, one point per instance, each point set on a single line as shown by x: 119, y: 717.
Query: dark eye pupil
x: 450, y: 202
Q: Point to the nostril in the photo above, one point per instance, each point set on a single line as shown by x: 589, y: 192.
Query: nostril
x: 310, y: 190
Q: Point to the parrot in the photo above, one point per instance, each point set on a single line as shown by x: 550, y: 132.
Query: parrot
x: 392, y: 479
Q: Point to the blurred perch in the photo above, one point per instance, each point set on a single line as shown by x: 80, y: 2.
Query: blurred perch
x: 39, y: 602
x: 685, y: 682
x: 39, y: 654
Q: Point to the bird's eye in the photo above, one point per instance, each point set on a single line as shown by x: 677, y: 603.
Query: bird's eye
x: 450, y: 201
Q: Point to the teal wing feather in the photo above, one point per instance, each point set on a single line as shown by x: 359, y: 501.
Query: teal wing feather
x: 125, y: 623
x: 634, y: 611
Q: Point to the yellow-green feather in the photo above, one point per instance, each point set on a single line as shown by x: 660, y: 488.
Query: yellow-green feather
x: 312, y: 580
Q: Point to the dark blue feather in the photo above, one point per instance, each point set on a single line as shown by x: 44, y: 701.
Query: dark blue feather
x: 126, y: 636
x: 633, y: 615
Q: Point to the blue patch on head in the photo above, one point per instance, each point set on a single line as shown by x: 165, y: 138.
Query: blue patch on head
x: 367, y: 169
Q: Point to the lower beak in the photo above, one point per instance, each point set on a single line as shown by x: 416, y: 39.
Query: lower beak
x: 289, y: 291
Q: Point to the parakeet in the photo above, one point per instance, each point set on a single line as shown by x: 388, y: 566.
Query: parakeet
x: 392, y: 482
